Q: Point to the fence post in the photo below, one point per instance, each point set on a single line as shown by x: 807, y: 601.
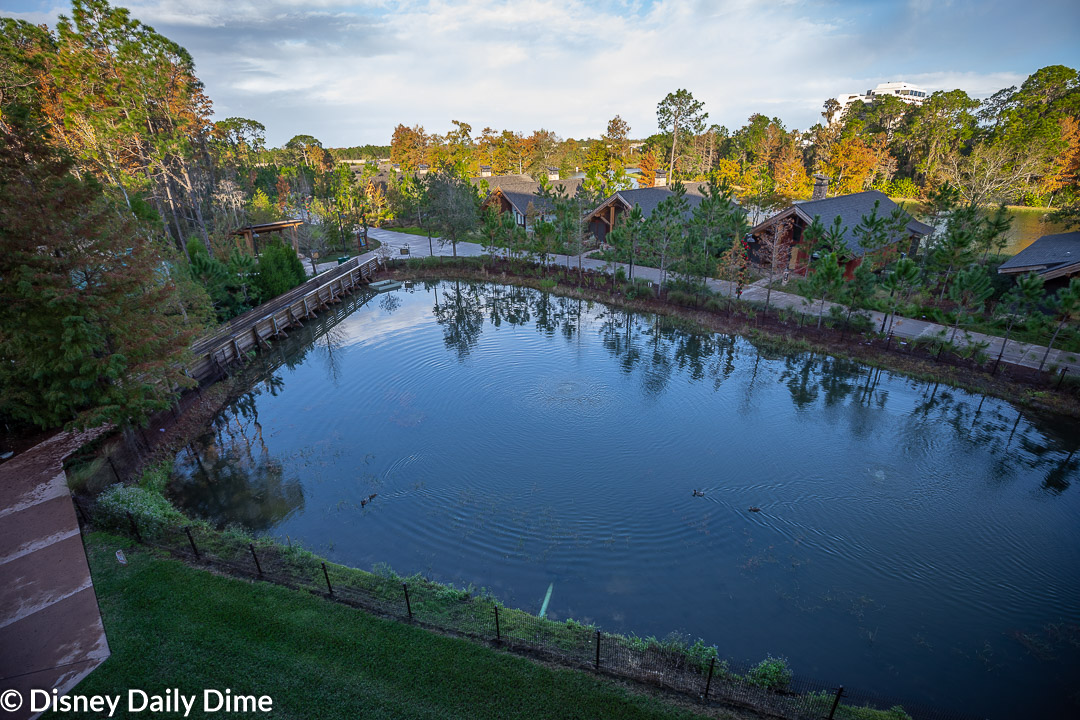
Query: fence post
x: 597, y: 651
x: 408, y: 605
x: 836, y: 701
x: 708, y: 683
x: 327, y: 576
x: 256, y: 558
x: 114, y: 472
x: 1061, y: 379
x: 187, y: 530
x: 134, y: 528
x: 498, y: 632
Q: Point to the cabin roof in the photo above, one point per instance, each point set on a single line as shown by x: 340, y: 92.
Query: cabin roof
x: 1050, y: 256
x: 520, y: 193
x: 267, y: 227
x: 850, y: 209
x: 650, y: 198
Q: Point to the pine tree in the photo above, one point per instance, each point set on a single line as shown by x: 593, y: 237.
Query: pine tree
x: 92, y: 326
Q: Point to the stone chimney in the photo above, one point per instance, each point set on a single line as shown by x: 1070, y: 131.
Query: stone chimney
x: 661, y: 179
x: 821, y: 187
x: 422, y: 169
x: 485, y: 171
x: 553, y: 174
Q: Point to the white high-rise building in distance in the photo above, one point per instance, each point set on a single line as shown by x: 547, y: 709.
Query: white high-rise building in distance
x: 903, y: 91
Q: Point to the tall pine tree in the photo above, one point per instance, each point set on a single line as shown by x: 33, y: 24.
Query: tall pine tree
x: 92, y: 327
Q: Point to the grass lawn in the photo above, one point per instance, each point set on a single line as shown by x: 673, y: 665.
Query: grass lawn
x: 173, y: 626
x: 407, y: 230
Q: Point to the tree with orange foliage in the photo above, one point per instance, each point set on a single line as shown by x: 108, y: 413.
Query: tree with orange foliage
x: 1065, y: 169
x: 854, y: 164
x: 409, y: 147
x: 790, y: 175
x: 647, y: 170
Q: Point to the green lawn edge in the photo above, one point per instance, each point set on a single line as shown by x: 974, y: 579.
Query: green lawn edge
x: 173, y: 626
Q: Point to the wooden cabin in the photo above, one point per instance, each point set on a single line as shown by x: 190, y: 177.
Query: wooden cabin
x: 607, y: 214
x: 1055, y: 257
x: 850, y: 209
x: 516, y: 193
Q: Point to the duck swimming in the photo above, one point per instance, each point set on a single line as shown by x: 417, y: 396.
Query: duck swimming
x: 699, y: 493
x: 754, y: 509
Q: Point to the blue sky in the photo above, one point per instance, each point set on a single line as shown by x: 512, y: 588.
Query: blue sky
x: 347, y: 73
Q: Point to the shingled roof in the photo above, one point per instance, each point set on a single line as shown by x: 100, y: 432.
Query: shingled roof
x: 520, y: 190
x: 850, y: 209
x: 1051, y: 256
x: 650, y: 198
x: 497, y: 181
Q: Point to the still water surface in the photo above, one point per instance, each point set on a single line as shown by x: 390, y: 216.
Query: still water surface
x: 912, y: 539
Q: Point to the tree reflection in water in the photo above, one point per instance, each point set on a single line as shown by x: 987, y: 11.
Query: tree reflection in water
x: 231, y: 474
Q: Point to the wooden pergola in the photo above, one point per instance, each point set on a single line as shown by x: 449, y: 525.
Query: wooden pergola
x: 250, y: 232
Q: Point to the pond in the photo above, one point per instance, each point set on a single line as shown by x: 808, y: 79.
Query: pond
x: 880, y: 532
x: 1028, y: 225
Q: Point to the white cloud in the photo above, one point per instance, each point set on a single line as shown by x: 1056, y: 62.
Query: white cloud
x: 349, y: 72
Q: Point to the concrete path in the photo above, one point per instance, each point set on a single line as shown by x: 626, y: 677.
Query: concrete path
x: 907, y: 329
x: 51, y: 634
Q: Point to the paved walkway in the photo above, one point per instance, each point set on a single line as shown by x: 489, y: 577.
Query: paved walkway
x: 907, y: 329
x: 51, y: 634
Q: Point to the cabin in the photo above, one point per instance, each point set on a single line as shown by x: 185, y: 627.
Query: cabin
x: 850, y: 209
x: 523, y: 203
x: 515, y: 193
x: 607, y: 214
x: 1054, y: 257
x: 254, y: 235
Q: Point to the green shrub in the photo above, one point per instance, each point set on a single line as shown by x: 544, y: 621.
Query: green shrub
x: 772, y: 673
x: 620, y: 276
x: 677, y: 297
x: 152, y: 512
x: 904, y: 188
x: 279, y: 270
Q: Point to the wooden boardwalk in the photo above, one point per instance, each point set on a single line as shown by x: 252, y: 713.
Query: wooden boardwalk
x: 253, y: 330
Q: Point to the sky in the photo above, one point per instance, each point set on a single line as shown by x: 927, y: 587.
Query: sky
x: 349, y: 72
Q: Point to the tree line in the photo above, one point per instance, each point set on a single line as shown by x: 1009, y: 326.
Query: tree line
x: 120, y: 191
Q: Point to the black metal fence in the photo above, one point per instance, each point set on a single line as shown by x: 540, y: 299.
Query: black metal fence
x: 695, y: 671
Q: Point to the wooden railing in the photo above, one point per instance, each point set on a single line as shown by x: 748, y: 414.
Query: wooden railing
x: 231, y: 342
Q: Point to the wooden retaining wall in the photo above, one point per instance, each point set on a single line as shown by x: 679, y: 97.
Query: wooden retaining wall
x: 253, y: 329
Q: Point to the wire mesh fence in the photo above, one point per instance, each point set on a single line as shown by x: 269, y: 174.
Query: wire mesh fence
x: 695, y: 671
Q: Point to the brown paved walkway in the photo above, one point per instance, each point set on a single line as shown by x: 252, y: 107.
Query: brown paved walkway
x: 51, y: 634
